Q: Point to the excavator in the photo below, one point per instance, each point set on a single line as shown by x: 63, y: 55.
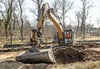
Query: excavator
x: 65, y: 38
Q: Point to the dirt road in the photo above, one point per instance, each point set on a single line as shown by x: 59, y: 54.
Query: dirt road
x: 76, y: 65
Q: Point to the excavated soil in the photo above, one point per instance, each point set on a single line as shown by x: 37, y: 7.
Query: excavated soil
x: 67, y: 55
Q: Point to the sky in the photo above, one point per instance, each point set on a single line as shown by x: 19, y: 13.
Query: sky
x: 94, y: 12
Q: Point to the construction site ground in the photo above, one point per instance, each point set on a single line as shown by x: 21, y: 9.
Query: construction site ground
x: 91, y: 61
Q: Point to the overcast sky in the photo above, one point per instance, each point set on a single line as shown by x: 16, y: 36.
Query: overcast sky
x: 94, y: 13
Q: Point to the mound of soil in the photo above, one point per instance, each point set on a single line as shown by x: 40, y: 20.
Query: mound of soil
x: 66, y: 55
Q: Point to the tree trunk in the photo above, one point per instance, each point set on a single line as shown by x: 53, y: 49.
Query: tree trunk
x: 22, y: 30
x: 10, y: 34
x: 77, y: 29
x: 63, y: 9
x: 22, y: 23
x: 6, y: 33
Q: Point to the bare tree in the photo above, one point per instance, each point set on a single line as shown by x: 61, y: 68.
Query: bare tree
x: 55, y: 5
x: 38, y: 6
x: 9, y: 15
x: 21, y: 17
x: 78, y: 23
x: 10, y: 6
x: 98, y: 23
x: 84, y: 12
x: 65, y: 7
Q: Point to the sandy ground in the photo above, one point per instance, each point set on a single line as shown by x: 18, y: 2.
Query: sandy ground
x: 77, y: 65
x: 96, y: 49
x: 7, y: 61
x: 10, y: 55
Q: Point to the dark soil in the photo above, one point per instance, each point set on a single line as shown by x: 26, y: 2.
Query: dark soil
x: 67, y: 55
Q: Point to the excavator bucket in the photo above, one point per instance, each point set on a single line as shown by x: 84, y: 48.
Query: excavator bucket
x: 37, y: 57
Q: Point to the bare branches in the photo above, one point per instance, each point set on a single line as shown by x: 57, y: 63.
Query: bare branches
x: 10, y: 7
x: 3, y: 15
x: 56, y: 5
x: 38, y: 6
x: 34, y: 12
x: 84, y: 12
x: 65, y: 6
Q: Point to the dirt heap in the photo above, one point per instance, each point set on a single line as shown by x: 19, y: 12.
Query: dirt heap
x: 66, y: 55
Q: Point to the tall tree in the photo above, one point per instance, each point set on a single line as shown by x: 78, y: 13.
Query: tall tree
x: 38, y: 6
x: 65, y: 7
x: 84, y: 12
x: 78, y: 23
x: 7, y: 14
x: 21, y: 17
x: 55, y: 5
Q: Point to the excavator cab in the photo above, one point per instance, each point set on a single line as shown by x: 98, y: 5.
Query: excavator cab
x: 68, y: 37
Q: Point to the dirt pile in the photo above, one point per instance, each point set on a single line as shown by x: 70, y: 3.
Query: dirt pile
x: 66, y: 55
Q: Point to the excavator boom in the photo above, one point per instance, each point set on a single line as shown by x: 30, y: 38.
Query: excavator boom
x: 44, y: 12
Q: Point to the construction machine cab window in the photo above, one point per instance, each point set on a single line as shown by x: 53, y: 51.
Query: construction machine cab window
x: 68, y: 35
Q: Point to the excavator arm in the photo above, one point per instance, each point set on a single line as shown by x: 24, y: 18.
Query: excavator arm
x: 45, y: 12
x: 49, y: 12
x: 57, y: 25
